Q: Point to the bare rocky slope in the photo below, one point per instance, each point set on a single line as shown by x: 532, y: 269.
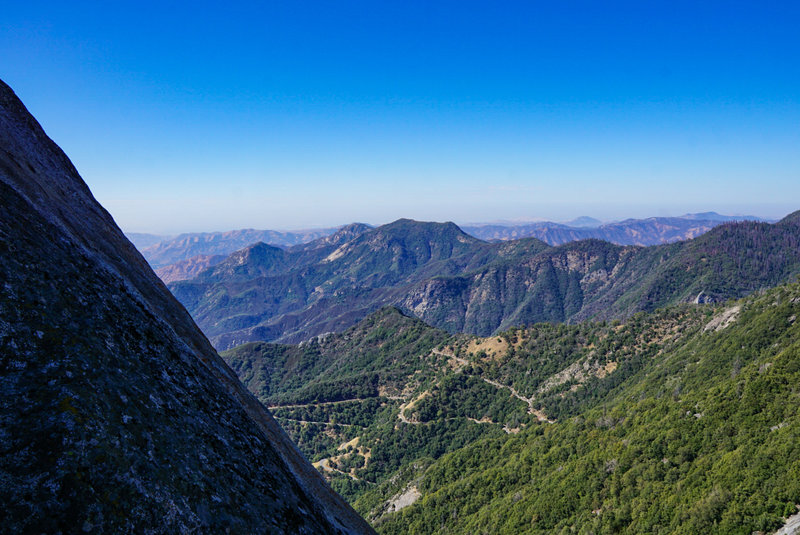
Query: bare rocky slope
x: 116, y: 414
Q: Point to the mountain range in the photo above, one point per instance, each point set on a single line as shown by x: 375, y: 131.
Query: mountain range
x: 163, y: 251
x: 116, y: 414
x: 457, y: 282
x: 650, y: 231
x: 141, y: 240
x: 166, y: 251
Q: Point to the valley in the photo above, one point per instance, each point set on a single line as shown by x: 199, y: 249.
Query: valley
x: 400, y: 268
x: 442, y: 383
x: 423, y: 371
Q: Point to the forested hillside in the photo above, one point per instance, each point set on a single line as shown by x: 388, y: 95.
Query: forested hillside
x: 680, y: 420
x: 700, y: 437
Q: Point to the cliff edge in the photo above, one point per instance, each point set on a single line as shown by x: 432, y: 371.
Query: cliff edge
x: 116, y: 414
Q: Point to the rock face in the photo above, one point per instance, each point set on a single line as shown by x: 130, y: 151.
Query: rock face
x: 116, y: 415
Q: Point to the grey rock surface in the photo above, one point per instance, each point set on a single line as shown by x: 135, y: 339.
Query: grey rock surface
x: 116, y: 414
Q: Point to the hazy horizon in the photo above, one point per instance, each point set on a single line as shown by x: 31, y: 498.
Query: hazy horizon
x: 499, y: 222
x: 306, y: 116
x: 606, y: 214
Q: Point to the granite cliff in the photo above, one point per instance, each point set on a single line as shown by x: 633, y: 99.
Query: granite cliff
x: 116, y: 414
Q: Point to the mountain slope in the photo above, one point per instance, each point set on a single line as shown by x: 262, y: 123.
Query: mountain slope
x: 341, y: 396
x: 594, y: 279
x: 683, y: 420
x: 408, y: 393
x: 699, y: 435
x: 117, y: 415
x: 329, y: 287
x: 188, y: 269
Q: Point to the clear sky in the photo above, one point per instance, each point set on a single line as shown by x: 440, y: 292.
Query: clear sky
x: 213, y: 116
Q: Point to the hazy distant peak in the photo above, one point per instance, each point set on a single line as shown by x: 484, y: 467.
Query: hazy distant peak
x: 584, y: 222
x: 342, y: 236
x: 706, y: 216
x: 714, y: 216
x: 142, y: 240
x: 354, y: 227
x: 412, y: 225
x: 254, y: 260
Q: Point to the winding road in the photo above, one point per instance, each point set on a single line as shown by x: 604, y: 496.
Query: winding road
x: 541, y: 416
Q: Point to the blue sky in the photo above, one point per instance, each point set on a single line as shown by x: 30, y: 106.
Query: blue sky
x: 204, y: 116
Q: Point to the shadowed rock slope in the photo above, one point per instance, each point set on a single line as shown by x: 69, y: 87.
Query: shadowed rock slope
x: 116, y: 415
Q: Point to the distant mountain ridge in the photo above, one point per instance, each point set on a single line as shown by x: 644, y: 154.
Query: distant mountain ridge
x: 649, y: 231
x: 185, y: 246
x: 592, y: 279
x: 189, y: 268
x: 163, y: 251
x: 326, y: 286
x: 584, y: 221
x: 141, y: 240
x: 457, y: 282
